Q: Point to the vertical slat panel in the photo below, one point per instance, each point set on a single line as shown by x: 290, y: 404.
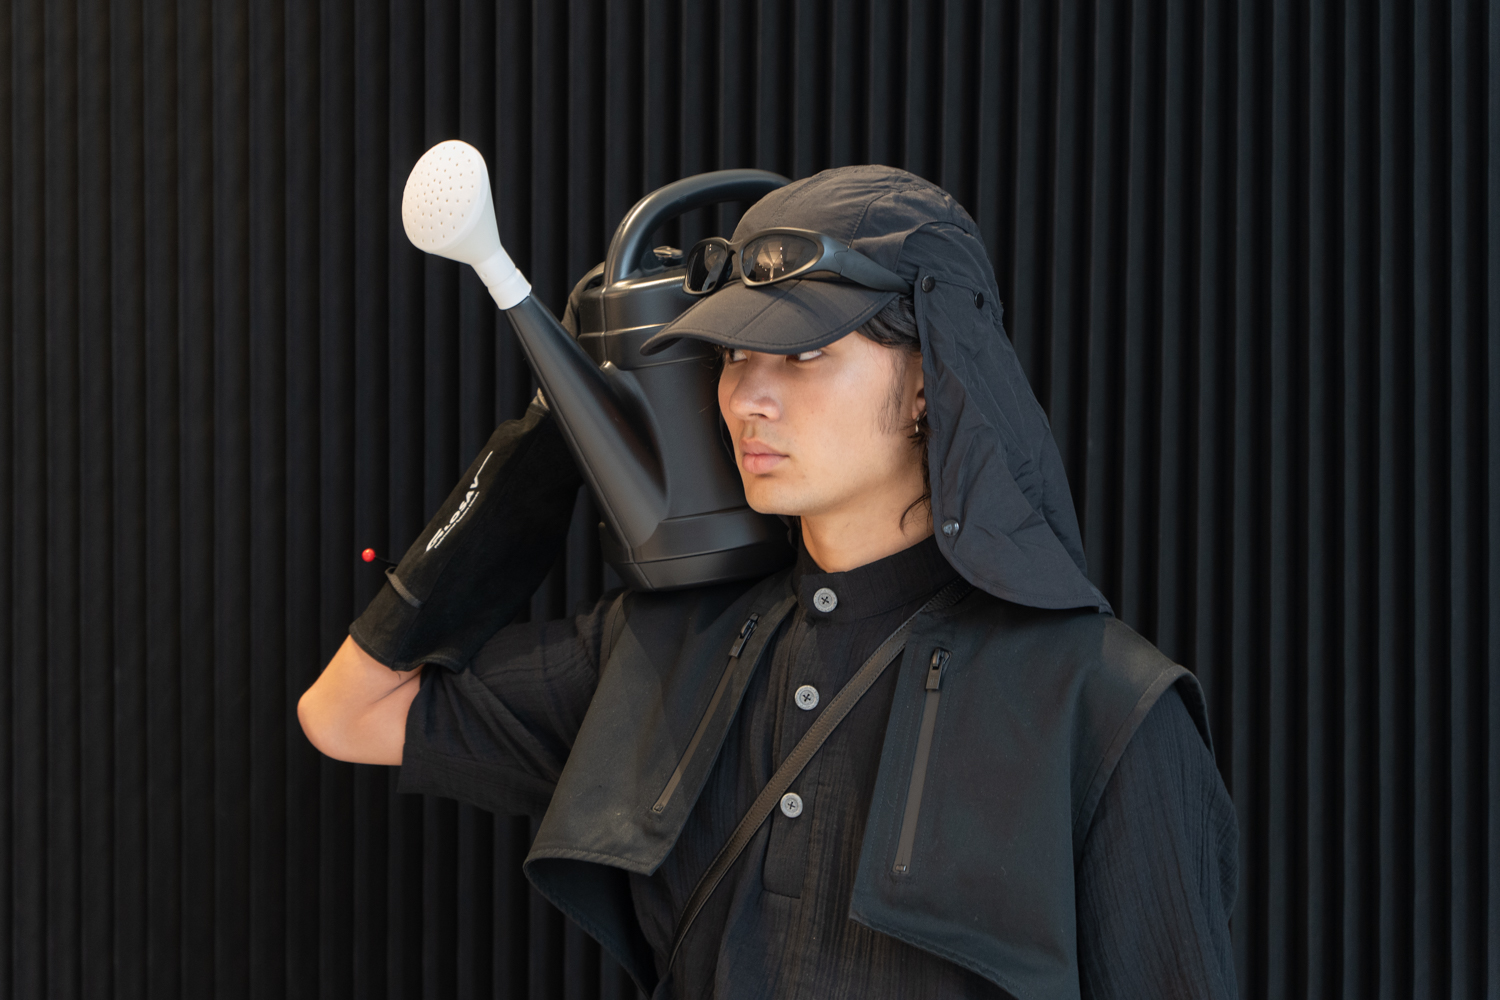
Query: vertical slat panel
x: 274, y: 44
x: 206, y: 112
x: 1174, y: 596
x: 1245, y: 516
x: 1282, y: 424
x: 1431, y: 325
x: 810, y: 71
x: 1393, y: 463
x: 9, y: 454
x: 513, y: 30
x: 1211, y: 451
x: 1466, y: 587
x: 1034, y: 55
x: 770, y: 68
x: 164, y: 248
x: 1490, y: 456
x: 26, y: 804
x: 846, y: 106
x: 1100, y: 335
x: 885, y: 83
x: 1359, y: 639
x: 1316, y: 932
x: 248, y: 389
x: 1247, y: 260
x: 991, y: 149
x: 354, y: 957
x: 58, y: 249
x: 315, y: 234
x: 96, y: 535
x: 128, y: 824
x: 1068, y: 263
x: 1139, y: 325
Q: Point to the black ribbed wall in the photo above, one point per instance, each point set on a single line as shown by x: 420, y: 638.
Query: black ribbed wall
x: 1250, y: 258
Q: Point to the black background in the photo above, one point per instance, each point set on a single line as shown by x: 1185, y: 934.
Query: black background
x: 1249, y: 258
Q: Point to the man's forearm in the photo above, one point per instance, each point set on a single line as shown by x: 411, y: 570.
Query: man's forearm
x: 481, y: 555
x: 475, y: 564
x: 356, y: 710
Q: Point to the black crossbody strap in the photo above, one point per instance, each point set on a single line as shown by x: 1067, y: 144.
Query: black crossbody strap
x: 803, y: 752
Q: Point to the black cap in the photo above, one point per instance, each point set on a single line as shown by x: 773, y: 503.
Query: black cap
x: 872, y: 208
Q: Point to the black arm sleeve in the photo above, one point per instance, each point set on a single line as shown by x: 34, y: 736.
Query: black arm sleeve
x: 1159, y: 873
x: 497, y: 735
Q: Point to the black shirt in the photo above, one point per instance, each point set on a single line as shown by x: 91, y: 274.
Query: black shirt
x: 1154, y: 889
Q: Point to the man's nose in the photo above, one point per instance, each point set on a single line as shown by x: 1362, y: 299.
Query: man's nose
x: 756, y: 391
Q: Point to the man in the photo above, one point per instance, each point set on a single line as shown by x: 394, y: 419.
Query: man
x: 1022, y: 804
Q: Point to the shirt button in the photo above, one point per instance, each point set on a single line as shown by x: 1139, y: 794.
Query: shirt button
x: 791, y: 805
x: 825, y: 600
x: 807, y: 697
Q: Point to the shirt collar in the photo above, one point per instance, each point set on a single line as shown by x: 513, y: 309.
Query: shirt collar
x: 914, y: 573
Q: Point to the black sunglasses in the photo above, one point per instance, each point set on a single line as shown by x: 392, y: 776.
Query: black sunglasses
x: 773, y: 255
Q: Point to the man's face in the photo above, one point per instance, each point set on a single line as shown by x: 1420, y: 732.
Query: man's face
x: 826, y: 432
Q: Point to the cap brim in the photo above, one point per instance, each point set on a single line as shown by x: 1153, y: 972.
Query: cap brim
x: 783, y: 318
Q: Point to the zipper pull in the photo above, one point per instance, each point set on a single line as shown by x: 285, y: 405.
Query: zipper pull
x: 935, y: 668
x: 745, y: 632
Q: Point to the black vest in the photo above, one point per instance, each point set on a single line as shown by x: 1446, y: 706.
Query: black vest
x: 1036, y: 708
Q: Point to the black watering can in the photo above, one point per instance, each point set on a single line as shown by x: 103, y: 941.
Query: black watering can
x: 643, y: 429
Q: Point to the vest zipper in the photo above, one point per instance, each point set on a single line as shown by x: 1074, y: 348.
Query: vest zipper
x: 919, y: 766
x: 746, y: 631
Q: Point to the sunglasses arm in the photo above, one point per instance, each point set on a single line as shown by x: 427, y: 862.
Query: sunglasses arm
x: 860, y: 269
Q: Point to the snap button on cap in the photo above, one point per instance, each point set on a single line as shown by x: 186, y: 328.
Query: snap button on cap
x: 950, y: 527
x: 929, y: 283
x: 978, y: 300
x: 825, y: 600
x: 806, y: 697
x: 791, y: 805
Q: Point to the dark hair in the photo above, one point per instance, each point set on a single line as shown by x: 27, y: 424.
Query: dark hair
x: 895, y: 326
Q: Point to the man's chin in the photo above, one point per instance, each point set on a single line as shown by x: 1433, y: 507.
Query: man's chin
x: 768, y: 508
x: 773, y: 501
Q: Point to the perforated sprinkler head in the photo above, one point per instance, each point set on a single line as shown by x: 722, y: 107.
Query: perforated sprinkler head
x: 447, y: 210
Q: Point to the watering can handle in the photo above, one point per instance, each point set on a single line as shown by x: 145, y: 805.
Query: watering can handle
x: 671, y: 200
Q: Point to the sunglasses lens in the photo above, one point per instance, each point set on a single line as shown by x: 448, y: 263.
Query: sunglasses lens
x: 705, y: 264
x: 769, y: 257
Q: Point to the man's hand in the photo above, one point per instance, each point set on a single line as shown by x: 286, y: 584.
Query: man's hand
x: 481, y: 556
x: 356, y: 711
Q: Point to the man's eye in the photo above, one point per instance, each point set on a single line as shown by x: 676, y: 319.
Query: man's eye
x: 808, y: 355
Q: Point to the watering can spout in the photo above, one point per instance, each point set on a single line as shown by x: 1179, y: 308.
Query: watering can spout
x: 447, y: 210
x: 604, y: 418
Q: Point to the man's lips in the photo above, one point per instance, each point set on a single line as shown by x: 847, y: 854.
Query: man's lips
x: 758, y: 457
